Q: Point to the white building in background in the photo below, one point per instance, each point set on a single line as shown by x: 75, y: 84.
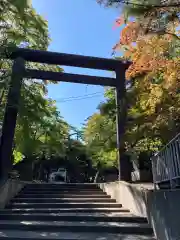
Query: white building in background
x: 59, y: 176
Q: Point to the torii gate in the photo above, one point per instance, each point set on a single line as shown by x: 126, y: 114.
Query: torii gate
x: 20, y: 55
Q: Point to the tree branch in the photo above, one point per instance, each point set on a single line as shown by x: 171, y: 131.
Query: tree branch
x: 142, y: 5
x: 151, y: 5
x: 164, y: 33
x: 173, y: 34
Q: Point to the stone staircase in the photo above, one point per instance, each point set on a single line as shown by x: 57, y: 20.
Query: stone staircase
x: 69, y: 211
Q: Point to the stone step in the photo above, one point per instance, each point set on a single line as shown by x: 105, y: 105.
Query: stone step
x: 66, y: 185
x: 56, y: 191
x: 83, y: 226
x: 54, y: 195
x: 62, y: 200
x: 61, y: 186
x: 72, y: 217
x: 59, y: 189
x: 65, y: 210
x: 40, y: 235
x: 122, y: 213
x: 64, y: 205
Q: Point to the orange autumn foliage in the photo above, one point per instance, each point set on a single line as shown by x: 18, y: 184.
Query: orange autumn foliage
x: 129, y: 33
x: 156, y: 73
x: 149, y: 56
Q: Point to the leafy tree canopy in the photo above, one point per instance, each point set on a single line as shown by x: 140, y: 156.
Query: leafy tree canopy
x: 149, y: 38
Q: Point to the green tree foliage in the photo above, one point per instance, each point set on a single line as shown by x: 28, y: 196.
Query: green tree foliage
x: 144, y: 18
x: 21, y: 25
x: 149, y: 38
x: 78, y: 161
x: 41, y: 136
x: 40, y: 131
x: 100, y: 136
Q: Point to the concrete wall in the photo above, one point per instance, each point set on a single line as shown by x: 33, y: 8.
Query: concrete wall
x: 8, y: 190
x: 161, y: 207
x: 131, y: 196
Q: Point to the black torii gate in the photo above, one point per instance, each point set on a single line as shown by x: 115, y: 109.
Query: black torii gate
x: 19, y: 72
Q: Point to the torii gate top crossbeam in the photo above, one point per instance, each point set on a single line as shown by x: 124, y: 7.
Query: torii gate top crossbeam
x: 68, y: 59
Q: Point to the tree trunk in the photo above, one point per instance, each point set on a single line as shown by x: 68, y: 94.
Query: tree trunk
x: 96, y: 176
x: 40, y: 172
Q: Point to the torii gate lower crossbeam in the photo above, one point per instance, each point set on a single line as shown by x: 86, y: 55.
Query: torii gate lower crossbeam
x: 19, y: 72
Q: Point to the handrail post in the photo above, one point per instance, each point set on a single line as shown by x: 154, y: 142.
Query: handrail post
x: 170, y: 165
x: 154, y: 172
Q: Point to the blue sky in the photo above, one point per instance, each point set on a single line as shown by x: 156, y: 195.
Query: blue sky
x: 79, y: 27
